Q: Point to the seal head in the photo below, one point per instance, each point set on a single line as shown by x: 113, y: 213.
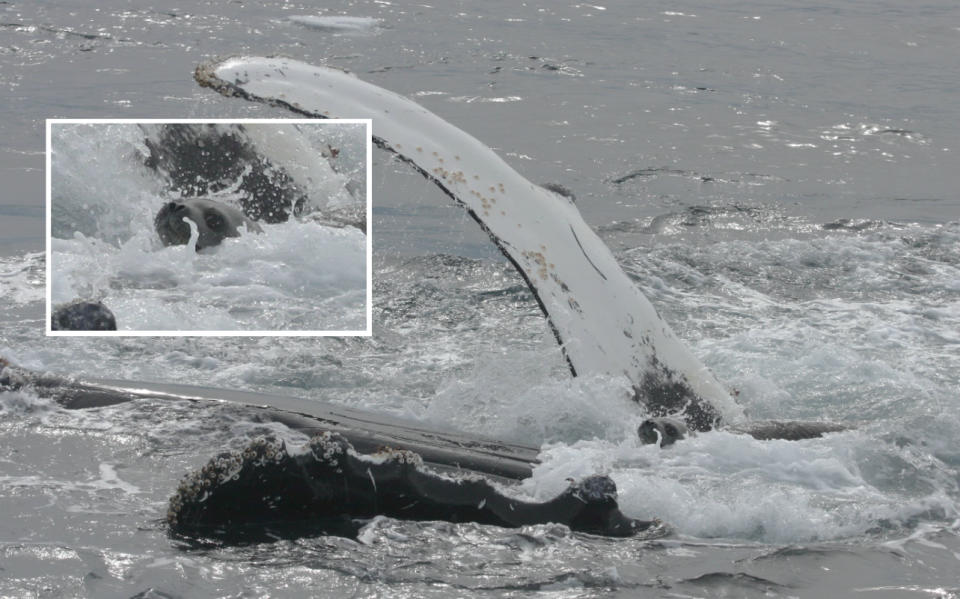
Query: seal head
x: 215, y: 221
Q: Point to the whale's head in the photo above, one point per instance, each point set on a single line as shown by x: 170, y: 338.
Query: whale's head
x: 214, y: 220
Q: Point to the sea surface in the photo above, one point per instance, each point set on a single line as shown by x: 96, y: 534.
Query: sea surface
x: 779, y: 178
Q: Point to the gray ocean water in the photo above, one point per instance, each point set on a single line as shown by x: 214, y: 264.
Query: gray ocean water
x: 780, y: 179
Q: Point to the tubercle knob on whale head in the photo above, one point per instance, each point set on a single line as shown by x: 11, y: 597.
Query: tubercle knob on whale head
x: 662, y: 431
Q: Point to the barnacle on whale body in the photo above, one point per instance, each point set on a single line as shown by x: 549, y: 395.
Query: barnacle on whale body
x: 195, y: 487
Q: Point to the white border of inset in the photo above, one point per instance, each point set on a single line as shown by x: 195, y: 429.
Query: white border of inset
x: 49, y: 231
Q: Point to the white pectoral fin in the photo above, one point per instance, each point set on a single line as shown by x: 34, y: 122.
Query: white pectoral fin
x: 601, y: 319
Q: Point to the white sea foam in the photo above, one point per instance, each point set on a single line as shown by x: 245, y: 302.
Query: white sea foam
x: 732, y: 486
x: 518, y: 398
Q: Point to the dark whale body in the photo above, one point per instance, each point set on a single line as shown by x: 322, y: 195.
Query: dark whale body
x: 265, y: 491
x: 264, y: 168
x: 199, y: 160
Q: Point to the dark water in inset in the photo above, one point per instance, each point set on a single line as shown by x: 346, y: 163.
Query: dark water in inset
x: 779, y: 179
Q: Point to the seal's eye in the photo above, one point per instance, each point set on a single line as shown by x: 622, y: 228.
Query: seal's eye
x: 213, y: 220
x: 670, y: 430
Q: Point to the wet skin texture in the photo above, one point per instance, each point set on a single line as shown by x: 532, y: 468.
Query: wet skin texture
x: 198, y: 160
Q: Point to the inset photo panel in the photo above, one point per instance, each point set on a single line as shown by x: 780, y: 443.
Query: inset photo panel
x: 208, y: 227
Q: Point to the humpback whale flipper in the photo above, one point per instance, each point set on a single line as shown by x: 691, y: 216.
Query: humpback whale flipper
x: 601, y: 320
